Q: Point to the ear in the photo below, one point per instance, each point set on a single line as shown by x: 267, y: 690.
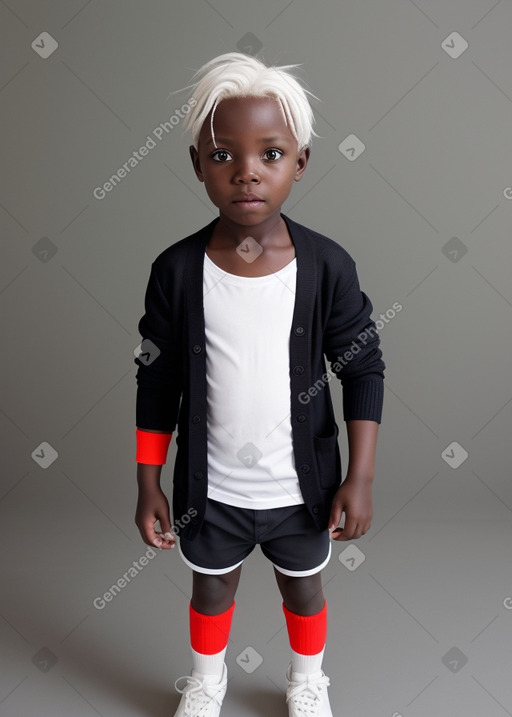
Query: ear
x: 302, y: 163
x: 194, y: 156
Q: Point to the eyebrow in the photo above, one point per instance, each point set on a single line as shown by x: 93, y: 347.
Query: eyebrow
x: 224, y: 140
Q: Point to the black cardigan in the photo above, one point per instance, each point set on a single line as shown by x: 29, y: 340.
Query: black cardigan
x: 331, y: 317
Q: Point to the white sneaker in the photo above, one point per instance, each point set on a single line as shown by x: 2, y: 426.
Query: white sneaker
x: 201, y: 699
x: 308, y: 698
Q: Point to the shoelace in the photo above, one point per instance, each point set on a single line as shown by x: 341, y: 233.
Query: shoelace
x: 197, y: 694
x: 306, y: 695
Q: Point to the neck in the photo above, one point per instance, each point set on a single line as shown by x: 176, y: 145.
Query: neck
x: 264, y: 233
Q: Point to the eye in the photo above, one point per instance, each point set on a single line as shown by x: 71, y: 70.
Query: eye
x: 273, y: 150
x: 216, y: 155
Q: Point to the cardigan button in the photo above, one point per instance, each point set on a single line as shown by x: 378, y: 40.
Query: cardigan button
x: 298, y: 370
x: 305, y: 468
x: 302, y: 417
x: 197, y: 349
x: 315, y: 509
x: 300, y: 331
x: 196, y: 419
x: 198, y: 475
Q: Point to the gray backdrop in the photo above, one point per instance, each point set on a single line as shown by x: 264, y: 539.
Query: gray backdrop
x: 412, y: 175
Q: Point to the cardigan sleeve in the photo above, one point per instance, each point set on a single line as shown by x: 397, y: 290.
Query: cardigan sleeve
x: 351, y: 344
x: 159, y: 383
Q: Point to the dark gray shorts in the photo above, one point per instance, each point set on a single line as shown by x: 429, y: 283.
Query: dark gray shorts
x: 288, y: 538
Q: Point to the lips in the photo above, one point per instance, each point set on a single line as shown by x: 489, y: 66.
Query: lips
x: 248, y: 198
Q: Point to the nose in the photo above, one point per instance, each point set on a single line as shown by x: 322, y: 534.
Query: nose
x: 246, y: 172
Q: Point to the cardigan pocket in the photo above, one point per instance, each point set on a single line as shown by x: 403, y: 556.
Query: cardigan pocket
x: 326, y: 452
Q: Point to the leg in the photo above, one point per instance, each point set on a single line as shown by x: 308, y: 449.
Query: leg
x: 305, y: 611
x: 299, y: 552
x: 213, y: 594
x: 303, y: 596
x: 210, y: 611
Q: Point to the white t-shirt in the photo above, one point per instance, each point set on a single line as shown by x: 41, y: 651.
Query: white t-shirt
x: 247, y: 326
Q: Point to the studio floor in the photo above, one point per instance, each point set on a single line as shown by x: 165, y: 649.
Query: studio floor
x: 420, y: 623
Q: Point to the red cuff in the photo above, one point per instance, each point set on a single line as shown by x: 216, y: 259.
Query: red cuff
x: 307, y: 633
x: 152, y: 447
x: 209, y: 634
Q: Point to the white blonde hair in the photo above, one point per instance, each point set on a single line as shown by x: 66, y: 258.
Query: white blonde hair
x: 236, y: 74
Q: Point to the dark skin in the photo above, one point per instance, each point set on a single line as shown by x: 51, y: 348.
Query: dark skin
x: 244, y: 160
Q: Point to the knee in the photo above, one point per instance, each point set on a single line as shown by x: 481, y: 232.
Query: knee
x: 303, y: 596
x: 212, y: 594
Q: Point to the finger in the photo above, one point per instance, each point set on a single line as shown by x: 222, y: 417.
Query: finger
x: 167, y: 534
x: 339, y: 534
x: 168, y: 541
x: 348, y: 532
x: 335, y: 517
x: 154, y: 538
x: 169, y: 537
x: 161, y: 542
x: 165, y: 522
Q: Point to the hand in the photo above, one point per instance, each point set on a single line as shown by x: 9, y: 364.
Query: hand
x: 153, y: 505
x: 354, y: 498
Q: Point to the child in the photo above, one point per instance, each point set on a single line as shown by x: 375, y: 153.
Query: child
x: 238, y: 317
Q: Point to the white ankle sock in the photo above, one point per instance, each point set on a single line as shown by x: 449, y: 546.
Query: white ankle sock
x: 208, y: 667
x: 310, y: 665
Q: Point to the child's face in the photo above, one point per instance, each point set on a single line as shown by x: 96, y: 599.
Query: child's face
x: 256, y: 153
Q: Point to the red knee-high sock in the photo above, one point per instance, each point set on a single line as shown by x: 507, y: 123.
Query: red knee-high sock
x: 307, y: 634
x: 209, y: 635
